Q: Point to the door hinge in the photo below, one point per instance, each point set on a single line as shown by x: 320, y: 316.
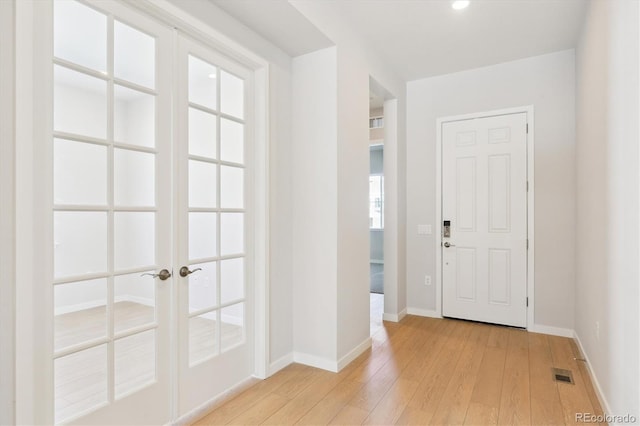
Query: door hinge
x: 527, y: 244
x: 527, y: 186
x: 527, y: 302
x: 527, y: 128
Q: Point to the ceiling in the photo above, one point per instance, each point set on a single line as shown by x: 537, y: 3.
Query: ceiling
x: 279, y: 22
x: 423, y: 38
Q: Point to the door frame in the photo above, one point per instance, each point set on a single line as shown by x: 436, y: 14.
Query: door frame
x: 528, y: 110
x: 33, y: 52
x: 7, y: 214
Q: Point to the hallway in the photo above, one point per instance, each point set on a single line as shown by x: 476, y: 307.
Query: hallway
x: 427, y: 371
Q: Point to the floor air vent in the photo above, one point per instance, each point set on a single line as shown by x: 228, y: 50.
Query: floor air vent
x: 562, y: 376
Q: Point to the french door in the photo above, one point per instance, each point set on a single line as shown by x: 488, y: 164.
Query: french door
x: 151, y: 219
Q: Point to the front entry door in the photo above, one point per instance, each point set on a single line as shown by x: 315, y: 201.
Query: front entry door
x: 151, y: 217
x: 484, y: 213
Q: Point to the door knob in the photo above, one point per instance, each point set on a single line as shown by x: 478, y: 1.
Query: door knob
x: 184, y: 271
x: 163, y: 274
x: 447, y: 244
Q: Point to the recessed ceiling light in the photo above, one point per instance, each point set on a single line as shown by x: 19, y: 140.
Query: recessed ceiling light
x: 460, y: 4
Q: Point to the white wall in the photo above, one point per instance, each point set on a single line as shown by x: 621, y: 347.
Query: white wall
x: 356, y: 62
x: 353, y: 201
x: 547, y: 83
x: 314, y: 130
x: 607, y: 214
x: 280, y: 166
x: 7, y: 223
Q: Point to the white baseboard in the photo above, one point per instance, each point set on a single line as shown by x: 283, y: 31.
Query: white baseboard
x: 554, y: 331
x: 394, y: 317
x: 315, y: 361
x: 215, y: 402
x: 594, y: 379
x: 231, y: 319
x: 331, y: 365
x: 135, y: 299
x: 279, y: 364
x: 61, y: 310
x: 354, y: 353
x: 423, y: 312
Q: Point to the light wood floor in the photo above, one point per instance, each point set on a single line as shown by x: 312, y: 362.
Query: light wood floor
x: 425, y: 371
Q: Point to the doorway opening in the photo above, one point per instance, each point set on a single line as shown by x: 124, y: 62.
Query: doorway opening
x: 376, y: 211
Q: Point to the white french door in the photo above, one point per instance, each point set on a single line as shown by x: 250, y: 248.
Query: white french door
x: 213, y: 232
x: 151, y: 217
x: 484, y: 206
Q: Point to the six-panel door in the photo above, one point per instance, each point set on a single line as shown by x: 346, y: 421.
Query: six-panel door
x: 484, y: 196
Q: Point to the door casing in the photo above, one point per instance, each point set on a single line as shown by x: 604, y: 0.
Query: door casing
x: 33, y: 95
x: 529, y: 111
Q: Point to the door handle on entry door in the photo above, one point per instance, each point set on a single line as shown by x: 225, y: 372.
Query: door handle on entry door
x: 448, y: 244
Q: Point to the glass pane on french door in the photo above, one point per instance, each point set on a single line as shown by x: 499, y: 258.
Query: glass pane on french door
x: 215, y: 209
x: 111, y: 219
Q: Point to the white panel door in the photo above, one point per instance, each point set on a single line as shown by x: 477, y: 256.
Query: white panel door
x: 484, y: 197
x: 214, y: 228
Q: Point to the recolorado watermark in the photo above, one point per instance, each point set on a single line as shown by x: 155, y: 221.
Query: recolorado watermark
x: 605, y: 418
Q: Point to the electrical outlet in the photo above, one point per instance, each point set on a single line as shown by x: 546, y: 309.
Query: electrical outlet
x: 427, y: 280
x: 597, y: 330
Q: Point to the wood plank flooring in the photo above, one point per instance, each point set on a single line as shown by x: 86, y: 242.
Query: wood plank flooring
x: 425, y: 371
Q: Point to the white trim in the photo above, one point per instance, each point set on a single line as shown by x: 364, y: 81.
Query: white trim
x: 34, y: 404
x: 315, y: 361
x: 393, y: 238
x: 135, y: 299
x: 354, y: 353
x: 78, y: 307
x: 437, y: 231
x: 7, y: 214
x: 394, y: 317
x: 429, y: 313
x: 531, y: 249
x: 551, y: 330
x: 594, y: 379
x: 331, y: 365
x: 529, y: 110
x: 280, y: 363
x: 234, y: 320
x: 167, y: 12
x: 262, y: 219
x: 215, y: 402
